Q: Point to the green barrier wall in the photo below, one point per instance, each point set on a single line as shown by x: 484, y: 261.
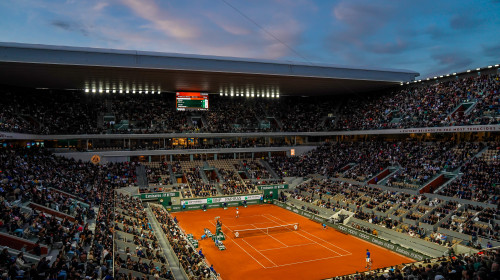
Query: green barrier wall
x: 216, y: 202
x: 360, y: 234
x: 154, y: 196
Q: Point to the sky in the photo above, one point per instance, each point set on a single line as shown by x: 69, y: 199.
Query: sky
x: 430, y: 37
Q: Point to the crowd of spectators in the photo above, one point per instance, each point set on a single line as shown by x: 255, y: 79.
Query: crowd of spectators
x: 480, y: 179
x: 256, y: 170
x: 191, y: 261
x: 416, y: 164
x: 368, y: 203
x: 233, y: 183
x: 147, y: 257
x: 427, y: 105
x: 445, y: 103
x: 482, y: 265
x: 35, y: 175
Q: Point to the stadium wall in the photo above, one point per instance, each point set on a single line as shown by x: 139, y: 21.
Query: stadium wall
x: 418, y: 130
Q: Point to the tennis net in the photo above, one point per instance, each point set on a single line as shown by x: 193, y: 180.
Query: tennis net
x: 265, y: 231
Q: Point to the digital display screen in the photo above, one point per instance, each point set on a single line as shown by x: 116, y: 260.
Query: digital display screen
x: 185, y: 101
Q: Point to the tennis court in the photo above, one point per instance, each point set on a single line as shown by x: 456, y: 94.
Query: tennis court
x: 268, y: 242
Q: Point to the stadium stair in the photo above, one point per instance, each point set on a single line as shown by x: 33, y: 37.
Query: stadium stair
x: 393, y: 170
x: 243, y: 169
x: 293, y: 182
x: 162, y: 240
x: 27, y: 256
x: 50, y: 211
x: 452, y: 176
x: 436, y: 182
x: 221, y: 179
x: 142, y: 177
x: 19, y: 243
x: 74, y: 197
x: 383, y: 175
x: 269, y: 169
x: 462, y: 109
x: 204, y: 176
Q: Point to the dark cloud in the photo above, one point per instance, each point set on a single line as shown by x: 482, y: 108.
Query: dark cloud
x: 435, y: 32
x: 388, y: 48
x: 70, y: 26
x: 460, y: 22
x: 492, y: 50
x: 445, y: 63
x: 362, y: 18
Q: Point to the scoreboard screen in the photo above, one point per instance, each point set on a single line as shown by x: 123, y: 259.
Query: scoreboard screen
x: 191, y: 101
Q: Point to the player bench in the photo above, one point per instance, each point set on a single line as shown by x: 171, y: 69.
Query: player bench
x: 193, y: 241
x: 220, y: 245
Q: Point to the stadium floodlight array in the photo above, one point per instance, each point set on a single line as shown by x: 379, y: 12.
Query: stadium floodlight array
x: 240, y: 233
x: 121, y: 90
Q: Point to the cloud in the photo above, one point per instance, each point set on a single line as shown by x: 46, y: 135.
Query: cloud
x: 70, y: 26
x: 491, y: 50
x: 162, y: 19
x: 207, y: 32
x: 229, y: 24
x: 389, y: 48
x: 361, y: 18
x: 463, y: 21
x: 435, y: 32
x: 100, y: 6
x: 444, y: 63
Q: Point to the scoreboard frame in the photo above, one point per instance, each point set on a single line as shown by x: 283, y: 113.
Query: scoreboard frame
x: 191, y: 98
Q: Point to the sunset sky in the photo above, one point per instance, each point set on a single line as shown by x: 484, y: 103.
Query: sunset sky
x: 430, y: 37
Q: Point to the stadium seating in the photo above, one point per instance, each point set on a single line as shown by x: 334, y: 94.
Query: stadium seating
x: 464, y: 101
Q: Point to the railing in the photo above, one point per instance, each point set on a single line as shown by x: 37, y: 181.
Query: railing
x: 212, y: 275
x: 176, y: 259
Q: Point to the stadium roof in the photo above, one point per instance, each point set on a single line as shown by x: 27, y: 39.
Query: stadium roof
x: 59, y: 67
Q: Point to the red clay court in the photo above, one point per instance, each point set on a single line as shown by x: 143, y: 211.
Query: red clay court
x: 307, y: 253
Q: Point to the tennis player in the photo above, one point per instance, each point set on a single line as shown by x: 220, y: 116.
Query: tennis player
x: 368, y: 259
x: 237, y: 213
x: 370, y: 265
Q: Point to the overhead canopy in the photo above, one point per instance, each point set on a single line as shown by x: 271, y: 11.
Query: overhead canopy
x: 57, y: 67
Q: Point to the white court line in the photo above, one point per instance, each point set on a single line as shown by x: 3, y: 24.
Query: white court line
x: 262, y: 250
x: 308, y: 261
x: 242, y: 248
x: 373, y: 244
x: 260, y: 254
x: 225, y: 219
x: 327, y: 242
x: 272, y: 237
x: 305, y: 236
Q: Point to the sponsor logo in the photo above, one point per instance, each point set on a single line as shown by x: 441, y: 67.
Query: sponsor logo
x: 159, y: 195
x: 364, y: 236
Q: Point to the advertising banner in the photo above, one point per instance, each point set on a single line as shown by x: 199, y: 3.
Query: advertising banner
x: 226, y: 199
x: 155, y: 196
